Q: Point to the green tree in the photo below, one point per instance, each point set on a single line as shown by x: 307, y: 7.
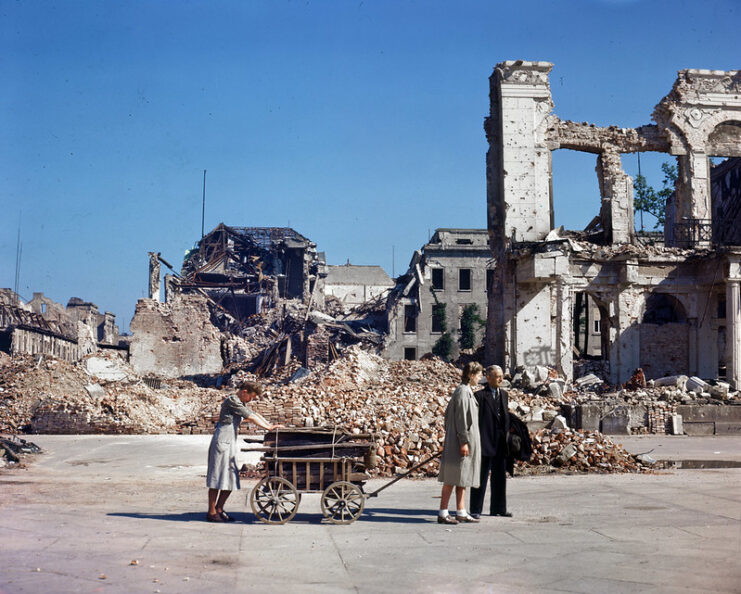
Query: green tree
x: 652, y: 201
x: 470, y: 322
x: 443, y: 347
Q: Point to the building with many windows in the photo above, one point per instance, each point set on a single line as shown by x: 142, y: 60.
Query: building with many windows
x: 447, y: 276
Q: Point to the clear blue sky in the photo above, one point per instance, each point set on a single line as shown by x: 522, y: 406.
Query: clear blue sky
x: 357, y: 123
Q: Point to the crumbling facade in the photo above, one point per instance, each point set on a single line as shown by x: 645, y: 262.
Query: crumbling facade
x: 672, y: 309
x: 353, y: 285
x: 452, y: 270
x: 245, y: 269
x: 230, y: 276
x: 43, y: 326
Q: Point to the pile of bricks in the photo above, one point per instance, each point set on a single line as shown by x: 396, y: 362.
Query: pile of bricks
x: 581, y: 451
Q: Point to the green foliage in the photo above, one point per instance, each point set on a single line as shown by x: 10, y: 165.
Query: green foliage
x: 439, y: 316
x: 443, y: 347
x: 470, y: 322
x: 651, y: 201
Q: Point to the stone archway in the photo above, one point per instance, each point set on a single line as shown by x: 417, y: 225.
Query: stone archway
x: 664, y: 337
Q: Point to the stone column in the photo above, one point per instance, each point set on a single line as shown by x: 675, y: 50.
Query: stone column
x: 154, y: 276
x: 625, y: 337
x: 733, y: 333
x: 519, y: 161
x: 564, y: 342
x: 616, y: 190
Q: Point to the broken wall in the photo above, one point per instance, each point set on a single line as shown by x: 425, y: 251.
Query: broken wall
x: 175, y: 339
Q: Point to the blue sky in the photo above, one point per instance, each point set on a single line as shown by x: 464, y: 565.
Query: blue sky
x: 357, y: 123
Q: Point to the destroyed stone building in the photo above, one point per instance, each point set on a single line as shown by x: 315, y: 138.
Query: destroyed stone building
x: 42, y: 326
x: 244, y: 295
x: 667, y: 309
x: 452, y: 270
x: 244, y: 269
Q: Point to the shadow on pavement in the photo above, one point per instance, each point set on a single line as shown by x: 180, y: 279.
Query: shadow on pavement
x: 398, y: 516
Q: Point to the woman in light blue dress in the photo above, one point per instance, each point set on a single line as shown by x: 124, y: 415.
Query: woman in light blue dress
x: 222, y: 476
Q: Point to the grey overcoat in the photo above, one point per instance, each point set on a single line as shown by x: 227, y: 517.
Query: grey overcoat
x: 461, y: 426
x: 223, y: 473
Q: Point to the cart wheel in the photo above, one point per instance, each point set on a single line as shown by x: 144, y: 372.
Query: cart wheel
x: 274, y: 500
x: 342, y: 502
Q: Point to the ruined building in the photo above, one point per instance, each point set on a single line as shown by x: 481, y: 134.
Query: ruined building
x: 244, y: 269
x: 452, y: 270
x: 668, y: 309
x: 43, y: 326
x: 232, y: 274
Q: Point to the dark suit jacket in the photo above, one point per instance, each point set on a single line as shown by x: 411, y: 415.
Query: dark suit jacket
x: 493, y: 433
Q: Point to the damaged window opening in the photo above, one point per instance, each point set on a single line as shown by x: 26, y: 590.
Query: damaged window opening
x: 410, y: 318
x: 577, y: 179
x: 410, y: 354
x: 438, y: 283
x: 438, y: 318
x: 464, y: 279
x: 721, y: 308
x: 725, y: 197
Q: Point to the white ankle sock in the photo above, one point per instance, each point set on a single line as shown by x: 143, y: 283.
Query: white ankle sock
x: 443, y: 513
x: 461, y: 513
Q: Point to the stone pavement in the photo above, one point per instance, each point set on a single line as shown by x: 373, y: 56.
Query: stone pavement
x: 77, y: 517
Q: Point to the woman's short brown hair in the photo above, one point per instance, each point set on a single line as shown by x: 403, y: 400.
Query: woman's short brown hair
x: 251, y: 387
x: 469, y: 370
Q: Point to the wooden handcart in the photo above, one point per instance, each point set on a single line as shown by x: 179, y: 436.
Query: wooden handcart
x: 329, y: 461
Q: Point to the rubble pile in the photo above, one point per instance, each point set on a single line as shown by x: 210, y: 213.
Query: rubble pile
x: 581, y: 451
x: 44, y: 395
x: 402, y: 403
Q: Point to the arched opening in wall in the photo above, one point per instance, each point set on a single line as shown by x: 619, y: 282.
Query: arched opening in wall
x: 575, y: 197
x: 587, y: 331
x: 590, y: 336
x: 664, y: 337
x: 724, y: 153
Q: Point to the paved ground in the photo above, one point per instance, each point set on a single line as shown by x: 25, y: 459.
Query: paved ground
x: 78, y: 516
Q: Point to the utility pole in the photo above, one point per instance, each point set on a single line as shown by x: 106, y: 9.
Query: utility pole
x: 203, y: 211
x: 18, y: 251
x: 639, y: 173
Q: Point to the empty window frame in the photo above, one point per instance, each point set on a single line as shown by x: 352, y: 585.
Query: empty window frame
x: 410, y: 318
x: 437, y: 325
x: 410, y: 353
x: 464, y: 279
x: 595, y: 327
x: 438, y: 279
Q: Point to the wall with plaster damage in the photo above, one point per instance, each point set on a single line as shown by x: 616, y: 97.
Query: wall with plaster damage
x: 175, y: 339
x: 540, y: 270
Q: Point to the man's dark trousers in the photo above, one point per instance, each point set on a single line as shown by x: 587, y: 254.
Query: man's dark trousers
x: 493, y: 471
x: 493, y: 428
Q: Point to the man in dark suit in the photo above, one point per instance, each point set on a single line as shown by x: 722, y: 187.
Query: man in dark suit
x: 493, y: 427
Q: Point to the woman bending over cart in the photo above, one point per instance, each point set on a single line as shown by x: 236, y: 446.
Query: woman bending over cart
x: 223, y: 475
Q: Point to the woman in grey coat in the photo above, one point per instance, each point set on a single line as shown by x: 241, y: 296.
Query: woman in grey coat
x: 222, y: 476
x: 461, y: 460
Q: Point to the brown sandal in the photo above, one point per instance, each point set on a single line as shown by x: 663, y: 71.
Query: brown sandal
x: 214, y: 518
x: 225, y: 516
